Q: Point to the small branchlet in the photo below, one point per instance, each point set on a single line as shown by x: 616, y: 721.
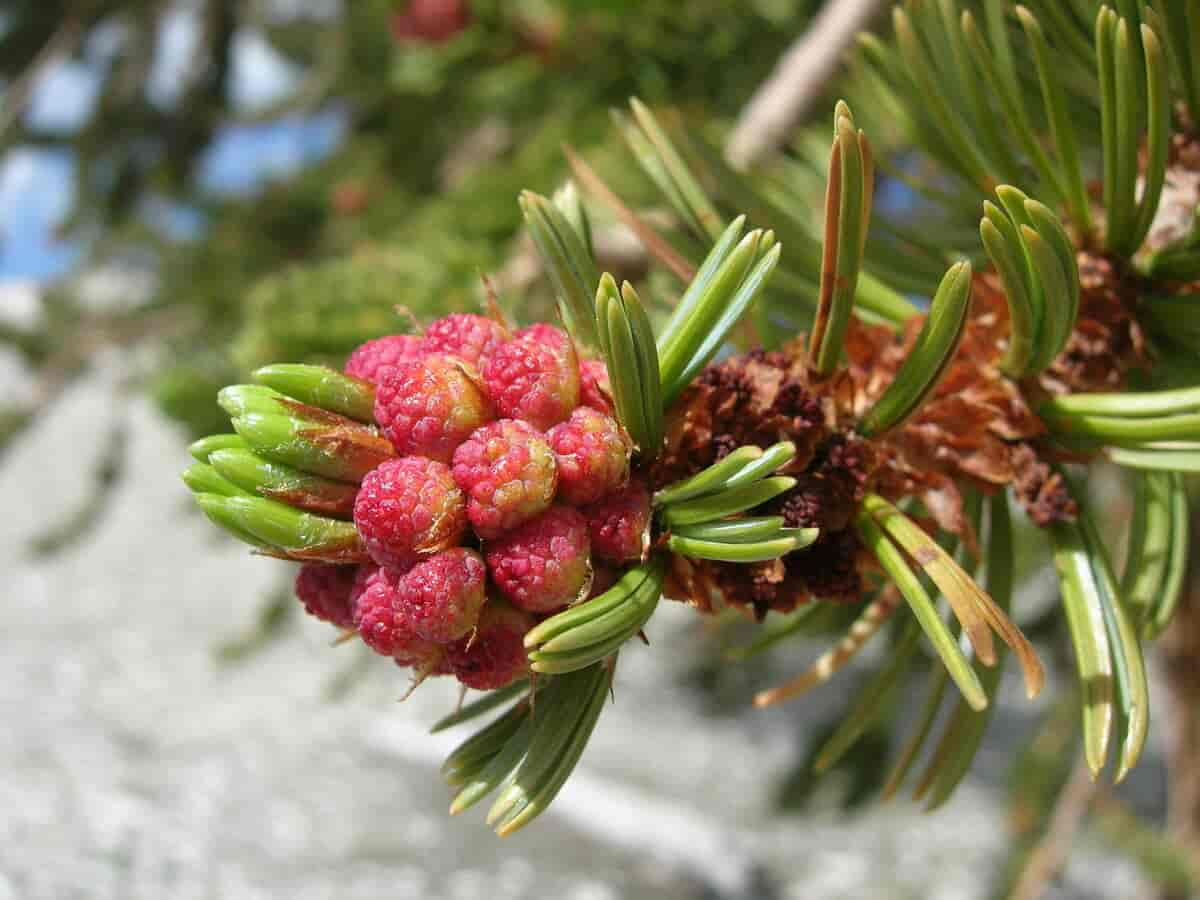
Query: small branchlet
x: 801, y: 473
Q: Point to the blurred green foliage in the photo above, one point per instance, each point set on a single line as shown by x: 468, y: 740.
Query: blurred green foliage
x: 419, y: 200
x: 416, y: 202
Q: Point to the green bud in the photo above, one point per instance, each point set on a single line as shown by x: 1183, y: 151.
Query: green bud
x: 243, y: 399
x: 294, y: 534
x: 213, y: 506
x: 344, y: 452
x: 202, y: 448
x: 277, y: 481
x: 204, y: 479
x: 322, y: 387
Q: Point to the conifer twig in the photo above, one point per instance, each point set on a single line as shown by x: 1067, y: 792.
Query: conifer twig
x: 782, y: 100
x: 1048, y: 857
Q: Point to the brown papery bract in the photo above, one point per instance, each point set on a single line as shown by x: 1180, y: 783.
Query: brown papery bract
x: 976, y: 428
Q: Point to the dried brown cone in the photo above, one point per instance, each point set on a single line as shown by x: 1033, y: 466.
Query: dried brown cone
x: 977, y: 428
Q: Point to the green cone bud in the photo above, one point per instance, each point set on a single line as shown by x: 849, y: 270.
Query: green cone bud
x: 344, y: 452
x: 322, y: 387
x: 204, y: 479
x: 212, y: 505
x: 202, y: 448
x: 276, y: 481
x: 246, y: 399
x: 243, y: 399
x: 289, y: 532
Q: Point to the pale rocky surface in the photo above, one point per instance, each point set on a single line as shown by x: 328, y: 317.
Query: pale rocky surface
x: 20, y: 305
x: 133, y: 766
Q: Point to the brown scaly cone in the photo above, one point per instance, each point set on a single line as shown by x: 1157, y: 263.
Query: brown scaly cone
x: 976, y: 428
x: 1108, y: 341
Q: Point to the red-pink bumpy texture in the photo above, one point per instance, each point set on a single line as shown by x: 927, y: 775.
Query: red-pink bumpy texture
x: 370, y: 360
x: 472, y: 338
x: 409, y: 508
x: 534, y: 380
x: 442, y: 596
x: 325, y: 591
x: 545, y: 333
x: 617, y: 524
x: 362, y: 577
x: 508, y: 473
x: 543, y: 565
x: 494, y: 656
x: 429, y: 406
x: 384, y: 628
x: 592, y: 452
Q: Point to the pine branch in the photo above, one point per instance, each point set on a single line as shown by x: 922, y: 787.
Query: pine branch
x: 1049, y: 856
x: 802, y: 73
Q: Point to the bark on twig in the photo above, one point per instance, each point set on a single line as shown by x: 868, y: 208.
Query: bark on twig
x: 801, y: 74
x: 1048, y: 857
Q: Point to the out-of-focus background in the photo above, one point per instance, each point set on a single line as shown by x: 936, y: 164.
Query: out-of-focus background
x: 191, y: 189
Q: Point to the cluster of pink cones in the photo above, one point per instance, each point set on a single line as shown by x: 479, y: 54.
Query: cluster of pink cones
x: 499, y: 492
